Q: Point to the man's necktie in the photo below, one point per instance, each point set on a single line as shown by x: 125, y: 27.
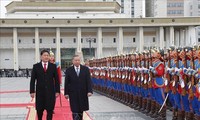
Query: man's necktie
x: 45, y: 67
x: 77, y: 71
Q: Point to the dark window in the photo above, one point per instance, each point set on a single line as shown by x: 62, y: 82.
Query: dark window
x: 198, y: 39
x: 114, y: 40
x: 19, y: 41
x: 40, y: 40
x: 61, y: 40
x: 74, y: 40
x: 102, y: 40
x: 154, y: 39
x: 94, y: 40
x: 33, y: 40
x: 81, y: 40
x: 54, y: 40
x: 133, y: 39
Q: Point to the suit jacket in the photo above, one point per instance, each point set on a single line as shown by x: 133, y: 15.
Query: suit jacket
x: 77, y: 88
x: 46, y: 85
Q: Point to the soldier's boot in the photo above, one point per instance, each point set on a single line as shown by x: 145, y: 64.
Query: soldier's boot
x: 136, y: 102
x: 144, y: 104
x: 189, y: 116
x: 112, y: 92
x: 148, y: 108
x: 162, y: 114
x: 152, y: 111
x: 119, y: 95
x: 102, y: 89
x: 130, y: 99
x: 122, y: 98
x: 175, y: 114
x: 140, y: 103
x: 196, y: 117
x: 99, y: 88
x: 126, y: 98
x: 183, y: 114
x: 180, y: 115
x: 155, y: 115
x: 115, y: 96
x: 109, y: 92
x: 106, y: 91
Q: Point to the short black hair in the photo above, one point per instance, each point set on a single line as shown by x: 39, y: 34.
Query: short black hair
x: 43, y: 51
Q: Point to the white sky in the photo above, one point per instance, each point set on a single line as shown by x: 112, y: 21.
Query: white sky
x: 3, y: 3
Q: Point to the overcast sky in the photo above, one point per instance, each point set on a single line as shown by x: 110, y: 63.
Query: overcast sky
x: 3, y: 3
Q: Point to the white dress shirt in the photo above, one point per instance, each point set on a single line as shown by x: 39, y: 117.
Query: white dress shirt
x: 46, y: 64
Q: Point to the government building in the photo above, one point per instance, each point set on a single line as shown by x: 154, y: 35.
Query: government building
x: 89, y: 28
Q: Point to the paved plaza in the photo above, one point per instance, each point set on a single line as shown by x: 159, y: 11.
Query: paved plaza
x: 16, y: 104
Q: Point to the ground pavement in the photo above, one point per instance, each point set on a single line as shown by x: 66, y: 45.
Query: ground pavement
x: 16, y: 104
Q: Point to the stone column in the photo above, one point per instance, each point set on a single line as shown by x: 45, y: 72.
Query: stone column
x: 58, y: 45
x: 120, y: 42
x: 141, y: 39
x: 171, y: 30
x: 37, y: 51
x: 182, y: 37
x: 161, y: 37
x: 15, y: 49
x: 99, y: 45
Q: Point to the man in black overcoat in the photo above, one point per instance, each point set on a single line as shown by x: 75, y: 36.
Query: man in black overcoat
x: 78, y: 88
x: 44, y: 75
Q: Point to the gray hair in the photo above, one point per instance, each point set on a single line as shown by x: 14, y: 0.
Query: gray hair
x: 75, y: 56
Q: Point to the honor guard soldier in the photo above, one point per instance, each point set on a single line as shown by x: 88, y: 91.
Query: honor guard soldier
x: 158, y: 70
x: 197, y: 80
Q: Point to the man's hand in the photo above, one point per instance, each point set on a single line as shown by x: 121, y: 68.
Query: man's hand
x: 89, y: 94
x: 57, y: 94
x: 67, y: 96
x: 32, y: 95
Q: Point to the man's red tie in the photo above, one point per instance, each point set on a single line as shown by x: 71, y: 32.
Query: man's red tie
x: 45, y: 67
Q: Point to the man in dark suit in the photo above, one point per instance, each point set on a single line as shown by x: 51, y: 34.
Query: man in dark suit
x: 45, y: 75
x: 78, y: 88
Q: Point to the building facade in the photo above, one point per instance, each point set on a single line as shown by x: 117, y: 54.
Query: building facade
x: 22, y: 38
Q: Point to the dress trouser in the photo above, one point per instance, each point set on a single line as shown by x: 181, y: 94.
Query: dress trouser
x: 49, y: 114
x: 77, y: 115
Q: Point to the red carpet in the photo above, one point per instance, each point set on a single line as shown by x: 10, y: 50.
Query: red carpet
x: 61, y: 112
